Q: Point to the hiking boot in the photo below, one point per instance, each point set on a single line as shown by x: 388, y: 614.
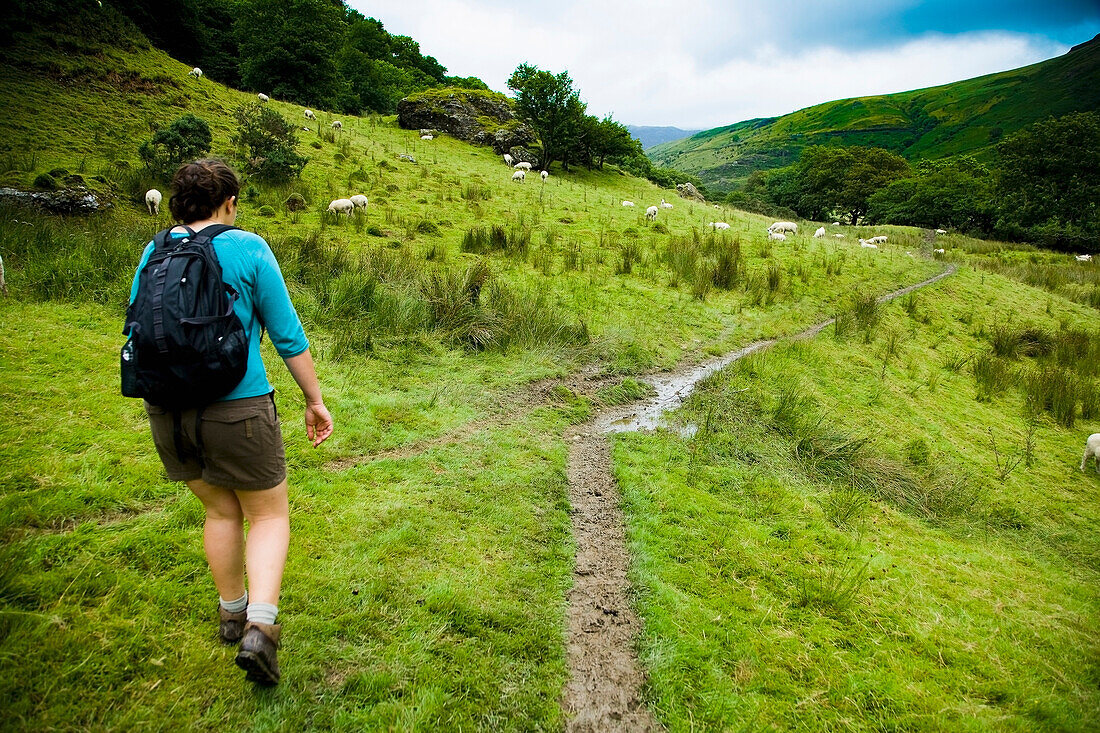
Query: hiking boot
x: 257, y: 654
x: 231, y: 626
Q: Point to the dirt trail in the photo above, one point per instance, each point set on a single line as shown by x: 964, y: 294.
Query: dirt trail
x: 604, y: 692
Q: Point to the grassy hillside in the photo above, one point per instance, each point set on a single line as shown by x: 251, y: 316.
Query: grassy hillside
x: 963, y: 117
x: 431, y: 549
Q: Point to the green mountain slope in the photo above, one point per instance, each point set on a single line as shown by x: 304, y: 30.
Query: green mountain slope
x: 964, y: 117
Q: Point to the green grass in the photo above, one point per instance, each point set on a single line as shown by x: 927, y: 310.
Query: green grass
x: 845, y: 540
x: 431, y: 554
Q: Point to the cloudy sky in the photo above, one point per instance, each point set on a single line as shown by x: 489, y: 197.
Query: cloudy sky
x: 705, y: 63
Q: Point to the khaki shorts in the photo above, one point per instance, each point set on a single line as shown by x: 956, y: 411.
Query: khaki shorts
x: 237, y: 444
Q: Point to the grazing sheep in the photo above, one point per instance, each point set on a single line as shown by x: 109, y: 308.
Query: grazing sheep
x: 777, y: 236
x: 868, y: 244
x: 1083, y: 258
x: 519, y: 175
x: 263, y: 97
x: 651, y: 213
x: 783, y: 226
x: 936, y: 252
x: 153, y: 198
x: 836, y: 223
x: 718, y: 225
x: 3, y: 282
x: 508, y: 159
x: 359, y: 200
x: 195, y: 72
x: 819, y: 233
x: 522, y: 166
x: 628, y: 203
x: 717, y: 206
x: 545, y: 175
x: 881, y: 239
x: 337, y: 125
x: 941, y: 231
x: 309, y: 115
x: 408, y: 158
x: 427, y: 137
x: 1092, y: 450
x: 341, y: 206
x: 665, y: 204
x: 839, y: 236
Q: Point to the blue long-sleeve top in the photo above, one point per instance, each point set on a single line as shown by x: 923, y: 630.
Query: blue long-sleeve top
x: 249, y: 266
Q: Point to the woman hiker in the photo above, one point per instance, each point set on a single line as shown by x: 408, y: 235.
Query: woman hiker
x: 230, y: 453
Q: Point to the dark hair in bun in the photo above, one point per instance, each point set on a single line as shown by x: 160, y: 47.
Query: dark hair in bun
x: 200, y: 188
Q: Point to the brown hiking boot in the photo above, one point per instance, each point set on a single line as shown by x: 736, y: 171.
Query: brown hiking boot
x: 257, y: 654
x: 231, y: 626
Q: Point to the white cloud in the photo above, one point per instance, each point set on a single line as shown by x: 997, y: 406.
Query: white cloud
x: 694, y: 63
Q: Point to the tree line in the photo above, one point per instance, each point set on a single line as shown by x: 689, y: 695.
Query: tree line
x: 1042, y: 186
x: 317, y: 53
x: 569, y: 135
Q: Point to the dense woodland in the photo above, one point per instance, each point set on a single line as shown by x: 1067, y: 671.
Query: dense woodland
x: 344, y: 62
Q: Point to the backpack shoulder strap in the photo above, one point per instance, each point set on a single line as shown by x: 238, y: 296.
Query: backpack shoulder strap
x: 160, y: 241
x: 207, y: 234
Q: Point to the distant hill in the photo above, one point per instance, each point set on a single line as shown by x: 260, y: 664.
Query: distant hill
x: 965, y: 117
x: 650, y: 136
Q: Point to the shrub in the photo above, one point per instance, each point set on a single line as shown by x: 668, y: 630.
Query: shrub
x: 268, y: 143
x: 424, y: 226
x: 295, y: 202
x: 186, y: 139
x: 45, y: 182
x: 266, y: 211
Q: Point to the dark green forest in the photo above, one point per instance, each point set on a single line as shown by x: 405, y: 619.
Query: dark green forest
x: 318, y: 53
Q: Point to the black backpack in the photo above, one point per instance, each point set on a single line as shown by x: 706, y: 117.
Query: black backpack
x: 186, y: 346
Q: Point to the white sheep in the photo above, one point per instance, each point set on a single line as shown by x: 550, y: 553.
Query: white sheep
x: 3, y: 282
x: 665, y: 204
x: 819, y: 233
x: 341, y: 206
x: 777, y: 236
x: 1083, y: 258
x: 628, y: 203
x: 427, y: 137
x: 867, y: 244
x: 337, y: 125
x: 881, y: 239
x: 309, y: 115
x: 195, y: 72
x: 836, y: 223
x: 263, y: 97
x: 1092, y: 450
x: 359, y: 200
x: 522, y: 166
x: 717, y: 206
x: 508, y: 159
x: 839, y: 236
x: 941, y: 231
x: 651, y: 213
x: 545, y: 175
x: 153, y: 198
x: 783, y: 226
x: 936, y: 252
x: 718, y: 225
x: 519, y: 175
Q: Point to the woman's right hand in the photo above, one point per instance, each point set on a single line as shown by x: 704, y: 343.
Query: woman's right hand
x: 318, y: 423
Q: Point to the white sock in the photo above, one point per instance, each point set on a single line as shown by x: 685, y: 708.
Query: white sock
x: 235, y: 606
x: 262, y: 613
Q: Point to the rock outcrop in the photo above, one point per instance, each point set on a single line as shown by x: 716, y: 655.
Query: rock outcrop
x: 76, y: 200
x: 479, y: 117
x: 688, y: 191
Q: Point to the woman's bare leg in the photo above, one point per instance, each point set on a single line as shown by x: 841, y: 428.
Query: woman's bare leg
x: 268, y: 515
x: 223, y: 537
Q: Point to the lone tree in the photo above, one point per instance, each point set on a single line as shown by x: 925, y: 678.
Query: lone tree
x: 268, y: 143
x: 185, y: 139
x: 552, y: 106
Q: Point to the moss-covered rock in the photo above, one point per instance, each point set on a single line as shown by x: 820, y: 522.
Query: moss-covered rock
x: 477, y: 116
